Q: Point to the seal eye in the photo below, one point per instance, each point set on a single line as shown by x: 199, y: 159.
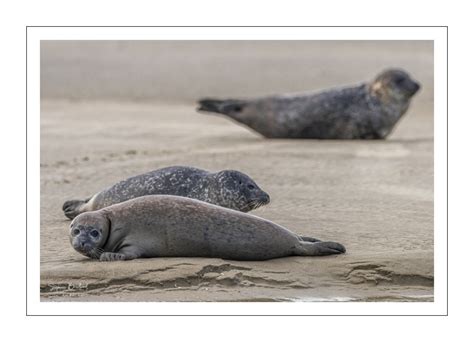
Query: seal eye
x: 76, y: 232
x: 94, y: 233
x: 250, y: 187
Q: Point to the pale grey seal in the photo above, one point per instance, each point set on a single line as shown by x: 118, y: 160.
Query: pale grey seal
x: 228, y: 188
x: 366, y: 111
x: 172, y: 226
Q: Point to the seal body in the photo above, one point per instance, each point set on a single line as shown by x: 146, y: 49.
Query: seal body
x: 172, y: 226
x: 366, y: 111
x: 228, y: 188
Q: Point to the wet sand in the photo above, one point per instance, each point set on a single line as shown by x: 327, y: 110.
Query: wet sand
x: 375, y: 197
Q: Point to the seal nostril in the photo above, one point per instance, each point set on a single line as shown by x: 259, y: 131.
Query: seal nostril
x: 414, y: 87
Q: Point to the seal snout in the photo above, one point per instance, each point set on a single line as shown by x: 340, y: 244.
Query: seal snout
x: 260, y: 200
x: 265, y: 198
x: 82, y: 244
x: 414, y: 87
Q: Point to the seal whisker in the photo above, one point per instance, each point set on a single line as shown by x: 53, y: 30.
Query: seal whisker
x: 95, y: 253
x: 258, y: 204
x: 255, y: 204
x: 249, y: 206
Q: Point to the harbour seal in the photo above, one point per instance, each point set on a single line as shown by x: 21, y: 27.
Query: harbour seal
x: 228, y: 188
x: 172, y: 226
x: 366, y: 111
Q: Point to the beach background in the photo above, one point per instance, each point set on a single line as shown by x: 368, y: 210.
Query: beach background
x: 114, y: 109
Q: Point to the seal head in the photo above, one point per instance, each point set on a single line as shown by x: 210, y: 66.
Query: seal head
x: 394, y: 84
x: 235, y: 190
x: 89, y: 233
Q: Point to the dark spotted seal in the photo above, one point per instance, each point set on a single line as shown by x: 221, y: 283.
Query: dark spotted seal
x: 366, y: 111
x: 172, y: 226
x: 228, y: 188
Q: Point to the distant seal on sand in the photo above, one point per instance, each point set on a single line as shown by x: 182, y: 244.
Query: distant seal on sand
x: 366, y: 111
x: 228, y: 188
x: 172, y: 226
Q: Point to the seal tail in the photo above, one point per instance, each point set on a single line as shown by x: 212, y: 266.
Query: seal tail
x: 73, y: 208
x: 221, y: 106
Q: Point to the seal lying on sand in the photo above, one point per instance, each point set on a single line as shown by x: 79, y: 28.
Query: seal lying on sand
x: 367, y: 111
x: 228, y: 188
x: 172, y: 226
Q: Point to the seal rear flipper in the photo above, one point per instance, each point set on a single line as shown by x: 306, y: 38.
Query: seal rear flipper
x: 221, y: 106
x: 320, y: 248
x: 73, y: 208
x: 309, y: 239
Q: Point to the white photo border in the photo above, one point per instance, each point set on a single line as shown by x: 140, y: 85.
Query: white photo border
x: 438, y: 34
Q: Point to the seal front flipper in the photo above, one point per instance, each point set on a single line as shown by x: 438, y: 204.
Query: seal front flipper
x: 108, y: 256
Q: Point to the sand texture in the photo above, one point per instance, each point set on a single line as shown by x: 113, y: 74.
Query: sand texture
x: 110, y: 110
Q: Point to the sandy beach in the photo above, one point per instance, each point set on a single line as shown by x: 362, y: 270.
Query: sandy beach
x: 111, y: 110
